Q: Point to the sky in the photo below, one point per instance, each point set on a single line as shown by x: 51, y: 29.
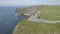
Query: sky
x: 28, y: 2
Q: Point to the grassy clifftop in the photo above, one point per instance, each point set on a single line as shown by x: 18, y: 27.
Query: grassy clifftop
x: 28, y: 27
x: 50, y: 12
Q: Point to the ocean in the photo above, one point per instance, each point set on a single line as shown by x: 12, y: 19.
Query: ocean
x: 9, y: 19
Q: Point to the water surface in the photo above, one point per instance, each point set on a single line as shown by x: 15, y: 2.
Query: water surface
x: 8, y: 19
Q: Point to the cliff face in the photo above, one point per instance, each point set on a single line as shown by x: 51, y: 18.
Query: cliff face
x: 28, y: 11
x: 21, y: 10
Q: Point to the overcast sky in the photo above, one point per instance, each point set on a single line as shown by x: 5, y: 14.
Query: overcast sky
x: 28, y: 2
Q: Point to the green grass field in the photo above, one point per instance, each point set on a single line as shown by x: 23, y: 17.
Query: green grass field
x: 50, y: 12
x: 28, y: 27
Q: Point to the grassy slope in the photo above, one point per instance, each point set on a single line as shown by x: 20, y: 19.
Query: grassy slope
x: 27, y: 27
x: 48, y: 11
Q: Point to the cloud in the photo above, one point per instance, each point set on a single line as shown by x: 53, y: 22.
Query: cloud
x: 19, y: 3
x: 28, y: 2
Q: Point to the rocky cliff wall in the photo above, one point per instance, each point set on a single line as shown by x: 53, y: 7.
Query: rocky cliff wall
x: 28, y: 11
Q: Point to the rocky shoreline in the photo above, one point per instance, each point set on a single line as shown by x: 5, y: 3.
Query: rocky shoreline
x: 28, y: 11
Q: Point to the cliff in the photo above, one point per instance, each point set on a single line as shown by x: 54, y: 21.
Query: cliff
x: 28, y: 11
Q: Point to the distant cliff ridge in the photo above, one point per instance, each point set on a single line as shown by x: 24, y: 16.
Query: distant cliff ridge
x: 28, y: 11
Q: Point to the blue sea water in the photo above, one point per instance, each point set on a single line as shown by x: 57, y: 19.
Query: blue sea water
x: 8, y: 19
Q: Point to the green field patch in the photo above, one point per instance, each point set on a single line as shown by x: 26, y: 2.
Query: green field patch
x: 48, y: 11
x: 50, y: 17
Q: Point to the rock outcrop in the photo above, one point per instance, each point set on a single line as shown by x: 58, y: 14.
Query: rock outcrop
x: 28, y: 11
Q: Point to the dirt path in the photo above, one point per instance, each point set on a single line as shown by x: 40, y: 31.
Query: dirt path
x: 35, y: 19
